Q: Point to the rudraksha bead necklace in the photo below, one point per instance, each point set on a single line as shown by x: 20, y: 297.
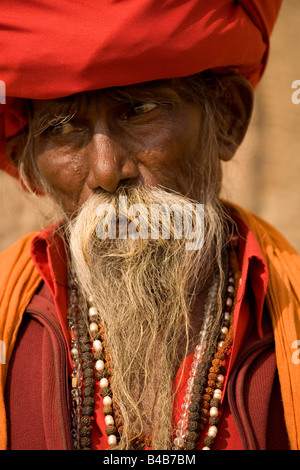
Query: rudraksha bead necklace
x: 90, y: 357
x: 204, y: 387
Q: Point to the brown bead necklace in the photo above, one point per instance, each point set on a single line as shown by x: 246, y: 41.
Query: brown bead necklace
x: 91, y: 361
x: 204, y: 387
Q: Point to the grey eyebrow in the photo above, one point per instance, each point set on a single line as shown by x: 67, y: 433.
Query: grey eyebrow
x: 50, y: 120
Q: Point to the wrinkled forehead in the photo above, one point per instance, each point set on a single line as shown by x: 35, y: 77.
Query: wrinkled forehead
x: 167, y: 89
x: 141, y: 91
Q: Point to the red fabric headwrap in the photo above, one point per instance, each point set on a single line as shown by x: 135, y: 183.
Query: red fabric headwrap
x: 53, y: 48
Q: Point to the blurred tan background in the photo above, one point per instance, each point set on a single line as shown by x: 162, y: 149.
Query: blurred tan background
x: 264, y: 176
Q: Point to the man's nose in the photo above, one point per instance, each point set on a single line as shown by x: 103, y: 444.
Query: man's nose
x: 109, y: 164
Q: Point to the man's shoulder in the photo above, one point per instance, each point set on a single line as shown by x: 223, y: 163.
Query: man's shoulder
x: 266, y: 234
x: 21, y: 243
x: 19, y: 278
x: 20, y: 250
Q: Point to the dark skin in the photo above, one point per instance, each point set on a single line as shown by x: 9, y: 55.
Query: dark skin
x: 146, y: 135
x: 111, y: 141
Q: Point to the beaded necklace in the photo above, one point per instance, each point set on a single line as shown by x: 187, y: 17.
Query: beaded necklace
x: 203, y: 396
x: 91, y: 358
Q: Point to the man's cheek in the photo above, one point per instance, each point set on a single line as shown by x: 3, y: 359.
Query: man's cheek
x: 60, y: 169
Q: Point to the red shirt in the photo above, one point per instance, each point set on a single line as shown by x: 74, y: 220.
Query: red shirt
x: 49, y: 257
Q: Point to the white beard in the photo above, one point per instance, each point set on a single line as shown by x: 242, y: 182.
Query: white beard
x: 145, y: 291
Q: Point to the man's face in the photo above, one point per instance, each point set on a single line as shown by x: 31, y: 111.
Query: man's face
x: 145, y: 135
x: 142, y: 137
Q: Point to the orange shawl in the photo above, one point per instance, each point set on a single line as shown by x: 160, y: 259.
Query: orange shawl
x: 283, y: 303
x: 19, y: 279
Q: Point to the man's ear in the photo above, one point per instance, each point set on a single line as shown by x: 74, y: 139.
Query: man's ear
x: 237, y: 107
x: 14, y: 147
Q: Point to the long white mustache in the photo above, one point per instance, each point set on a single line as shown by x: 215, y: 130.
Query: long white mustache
x: 144, y: 290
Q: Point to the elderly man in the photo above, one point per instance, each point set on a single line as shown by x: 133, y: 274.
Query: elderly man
x: 118, y: 336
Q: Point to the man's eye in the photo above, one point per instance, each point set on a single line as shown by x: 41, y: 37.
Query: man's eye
x: 138, y: 109
x: 63, y: 129
x: 143, y: 108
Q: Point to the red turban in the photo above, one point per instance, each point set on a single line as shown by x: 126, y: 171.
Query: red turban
x: 55, y: 48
